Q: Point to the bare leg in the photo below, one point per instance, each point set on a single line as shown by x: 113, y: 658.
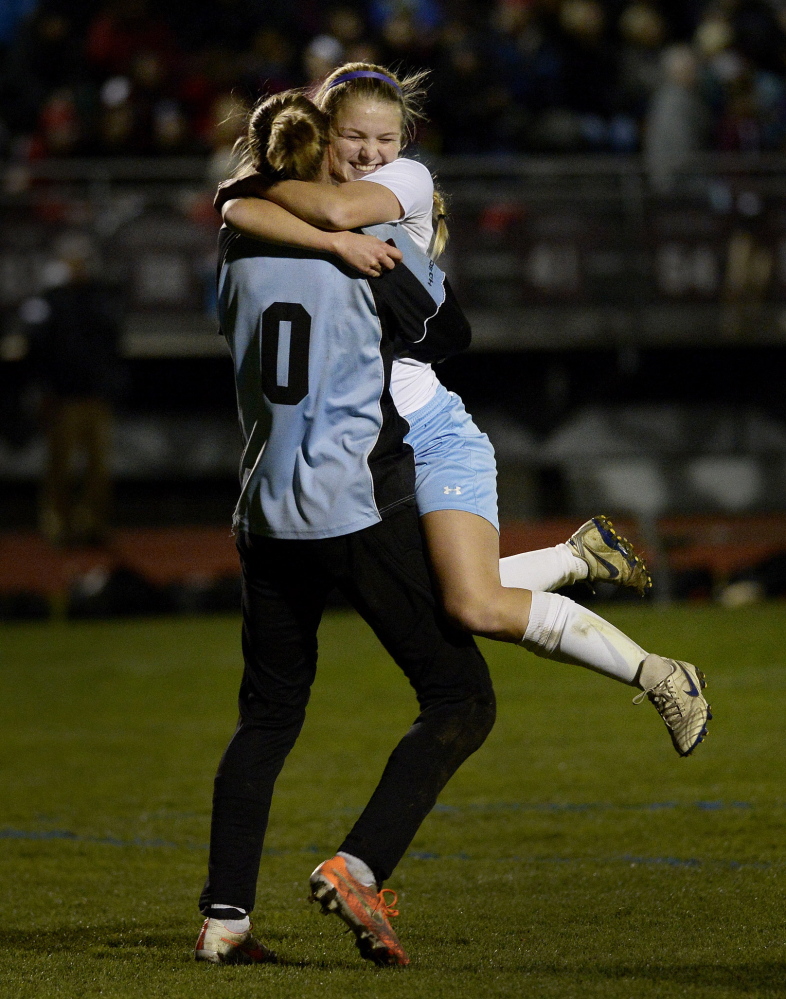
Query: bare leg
x: 464, y: 553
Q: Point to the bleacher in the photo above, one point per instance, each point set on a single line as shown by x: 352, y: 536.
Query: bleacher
x: 561, y: 263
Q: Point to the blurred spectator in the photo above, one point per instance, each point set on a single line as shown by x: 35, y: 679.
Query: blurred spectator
x: 128, y: 77
x: 743, y: 47
x: 73, y: 333
x: 713, y: 34
x: 423, y: 15
x: 228, y: 123
x: 268, y: 65
x: 45, y: 56
x: 682, y: 16
x: 346, y: 25
x: 60, y: 129
x: 123, y: 31
x: 228, y: 25
x: 403, y: 43
x: 321, y: 57
x: 678, y: 121
x: 525, y: 49
x: 758, y: 35
x: 116, y: 126
x: 462, y: 97
x: 642, y: 31
x: 590, y: 68
x: 753, y: 113
x: 11, y: 13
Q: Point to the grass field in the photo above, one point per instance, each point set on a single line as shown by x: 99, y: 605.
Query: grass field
x: 574, y: 855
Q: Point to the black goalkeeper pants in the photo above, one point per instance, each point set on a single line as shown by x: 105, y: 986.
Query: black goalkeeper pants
x: 383, y: 573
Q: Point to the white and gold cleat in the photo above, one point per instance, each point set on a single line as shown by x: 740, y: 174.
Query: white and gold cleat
x: 610, y: 558
x: 675, y: 688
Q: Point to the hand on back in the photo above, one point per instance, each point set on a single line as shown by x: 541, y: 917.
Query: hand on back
x: 251, y: 186
x: 366, y: 254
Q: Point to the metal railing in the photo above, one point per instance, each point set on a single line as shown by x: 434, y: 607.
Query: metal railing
x: 545, y: 253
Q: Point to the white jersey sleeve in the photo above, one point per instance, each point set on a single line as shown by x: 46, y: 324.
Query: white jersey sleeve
x: 412, y: 383
x: 413, y: 185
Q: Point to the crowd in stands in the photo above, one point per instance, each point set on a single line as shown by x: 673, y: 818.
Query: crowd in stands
x: 137, y: 78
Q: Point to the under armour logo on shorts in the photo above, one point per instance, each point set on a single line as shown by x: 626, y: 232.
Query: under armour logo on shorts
x: 452, y: 489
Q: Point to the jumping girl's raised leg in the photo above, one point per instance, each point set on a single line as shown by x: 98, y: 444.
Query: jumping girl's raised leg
x: 595, y: 552
x: 464, y: 553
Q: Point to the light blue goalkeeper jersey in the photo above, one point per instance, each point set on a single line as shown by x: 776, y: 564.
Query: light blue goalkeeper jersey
x: 312, y: 343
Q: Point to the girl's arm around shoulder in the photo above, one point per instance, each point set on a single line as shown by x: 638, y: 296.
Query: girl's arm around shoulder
x: 265, y: 221
x: 260, y: 219
x: 346, y: 206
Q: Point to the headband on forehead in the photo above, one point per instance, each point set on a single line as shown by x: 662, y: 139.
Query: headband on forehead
x: 368, y: 73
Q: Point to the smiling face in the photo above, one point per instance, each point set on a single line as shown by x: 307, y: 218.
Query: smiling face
x: 366, y: 134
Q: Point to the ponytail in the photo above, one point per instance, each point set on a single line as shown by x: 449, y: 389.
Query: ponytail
x: 286, y: 139
x: 439, y: 213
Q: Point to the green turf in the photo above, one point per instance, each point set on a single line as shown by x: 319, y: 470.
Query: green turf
x: 574, y: 855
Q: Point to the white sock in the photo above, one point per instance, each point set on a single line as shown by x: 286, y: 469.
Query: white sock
x: 561, y: 629
x: 359, y: 869
x: 233, y: 925
x: 546, y: 569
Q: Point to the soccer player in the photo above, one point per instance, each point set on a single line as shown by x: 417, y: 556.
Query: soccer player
x: 327, y: 501
x: 370, y: 113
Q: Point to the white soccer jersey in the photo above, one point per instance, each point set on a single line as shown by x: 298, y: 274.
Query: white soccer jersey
x: 412, y: 383
x: 413, y: 185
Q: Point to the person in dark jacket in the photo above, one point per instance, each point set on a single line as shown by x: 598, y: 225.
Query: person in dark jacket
x: 73, y: 331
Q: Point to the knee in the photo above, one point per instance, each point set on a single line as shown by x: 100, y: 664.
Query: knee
x: 471, y: 610
x: 473, y: 720
x: 273, y: 702
x: 485, y: 712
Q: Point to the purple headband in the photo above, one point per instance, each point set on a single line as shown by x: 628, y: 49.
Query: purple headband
x: 368, y: 73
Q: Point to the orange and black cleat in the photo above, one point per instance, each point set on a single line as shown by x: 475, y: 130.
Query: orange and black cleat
x: 365, y: 911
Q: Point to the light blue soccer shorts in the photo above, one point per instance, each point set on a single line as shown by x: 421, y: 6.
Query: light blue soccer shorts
x: 454, y: 461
